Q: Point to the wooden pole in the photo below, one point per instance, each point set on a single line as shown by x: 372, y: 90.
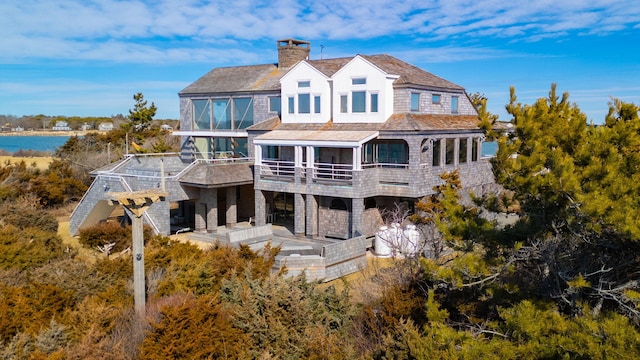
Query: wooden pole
x: 137, y: 203
x: 139, y: 297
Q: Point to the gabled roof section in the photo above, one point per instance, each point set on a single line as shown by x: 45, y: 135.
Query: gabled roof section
x: 253, y: 78
x: 409, y: 74
x: 307, y: 67
x: 329, y: 66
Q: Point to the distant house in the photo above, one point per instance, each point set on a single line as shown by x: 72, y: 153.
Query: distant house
x: 85, y: 127
x: 105, y: 126
x: 166, y: 127
x: 61, y: 126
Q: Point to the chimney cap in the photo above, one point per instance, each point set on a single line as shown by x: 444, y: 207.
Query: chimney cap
x: 293, y: 42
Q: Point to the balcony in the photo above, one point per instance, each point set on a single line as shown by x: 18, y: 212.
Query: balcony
x: 325, y: 173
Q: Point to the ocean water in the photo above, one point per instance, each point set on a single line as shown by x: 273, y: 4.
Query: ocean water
x: 489, y: 149
x: 51, y: 143
x: 37, y: 143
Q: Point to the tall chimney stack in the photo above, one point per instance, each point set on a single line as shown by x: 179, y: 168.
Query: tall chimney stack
x: 291, y: 51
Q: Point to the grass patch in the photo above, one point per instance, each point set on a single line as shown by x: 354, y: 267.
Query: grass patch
x: 39, y: 162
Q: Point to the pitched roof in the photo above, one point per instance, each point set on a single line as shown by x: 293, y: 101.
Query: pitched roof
x: 409, y: 74
x: 266, y: 77
x: 329, y: 66
x: 251, y: 78
x: 426, y: 122
x: 218, y: 175
x: 396, y: 122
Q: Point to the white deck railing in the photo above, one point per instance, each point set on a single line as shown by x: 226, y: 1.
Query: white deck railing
x: 336, y: 172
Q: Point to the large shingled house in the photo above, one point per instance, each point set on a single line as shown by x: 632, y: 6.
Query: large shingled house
x: 321, y: 146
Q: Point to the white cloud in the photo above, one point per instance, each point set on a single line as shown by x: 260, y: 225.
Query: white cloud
x: 166, y: 30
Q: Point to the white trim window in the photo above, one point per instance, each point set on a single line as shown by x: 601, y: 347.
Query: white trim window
x: 373, y: 102
x: 358, y: 101
x: 343, y: 104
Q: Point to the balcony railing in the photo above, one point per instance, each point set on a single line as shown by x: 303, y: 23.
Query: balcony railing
x: 321, y: 172
x: 333, y: 172
x: 385, y: 166
x: 278, y: 169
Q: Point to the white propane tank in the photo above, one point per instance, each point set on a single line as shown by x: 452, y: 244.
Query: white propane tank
x: 411, y: 240
x: 381, y: 244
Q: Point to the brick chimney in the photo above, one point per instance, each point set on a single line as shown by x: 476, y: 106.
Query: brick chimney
x: 291, y: 51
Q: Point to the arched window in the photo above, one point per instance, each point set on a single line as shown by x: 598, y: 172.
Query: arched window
x: 338, y: 204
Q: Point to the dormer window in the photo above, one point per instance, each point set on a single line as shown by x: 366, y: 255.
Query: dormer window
x: 415, y: 102
x: 359, y: 81
x: 304, y: 84
x: 454, y: 104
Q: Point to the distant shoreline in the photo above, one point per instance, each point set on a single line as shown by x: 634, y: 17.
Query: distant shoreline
x: 45, y: 133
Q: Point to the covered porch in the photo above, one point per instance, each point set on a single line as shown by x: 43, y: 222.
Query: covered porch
x: 331, y: 157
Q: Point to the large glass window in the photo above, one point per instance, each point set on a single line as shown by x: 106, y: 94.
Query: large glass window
x: 221, y: 114
x: 374, y: 103
x: 449, y: 151
x: 386, y: 152
x: 240, y: 147
x: 203, y: 147
x: 358, y: 101
x: 454, y: 104
x: 462, y: 151
x: 436, y: 152
x: 201, y: 114
x: 304, y: 103
x: 343, y: 103
x: 415, y: 102
x: 230, y: 147
x: 274, y: 104
x: 316, y: 104
x: 242, y: 113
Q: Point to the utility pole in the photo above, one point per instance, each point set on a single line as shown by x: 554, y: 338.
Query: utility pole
x: 137, y: 203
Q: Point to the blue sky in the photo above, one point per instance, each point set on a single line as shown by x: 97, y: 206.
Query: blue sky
x: 88, y: 57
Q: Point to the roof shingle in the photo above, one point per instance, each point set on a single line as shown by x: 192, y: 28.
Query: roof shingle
x: 395, y: 123
x: 266, y: 77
